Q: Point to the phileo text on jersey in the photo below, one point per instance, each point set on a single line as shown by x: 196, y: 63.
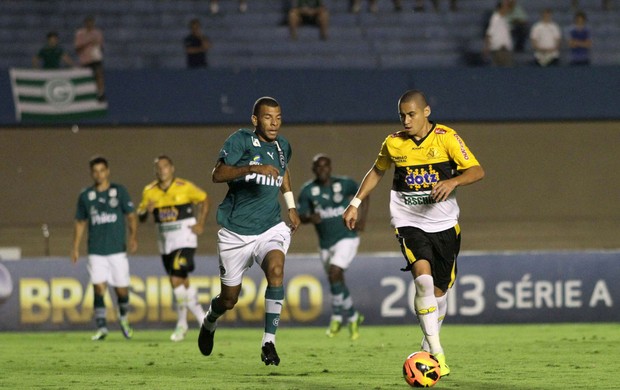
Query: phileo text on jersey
x: 264, y: 180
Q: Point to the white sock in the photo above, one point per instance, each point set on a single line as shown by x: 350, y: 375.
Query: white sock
x: 442, y: 308
x: 194, y: 306
x: 180, y: 297
x: 427, y: 311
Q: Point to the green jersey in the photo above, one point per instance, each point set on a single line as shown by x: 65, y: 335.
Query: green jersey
x: 251, y: 204
x: 51, y: 56
x: 105, y: 212
x: 329, y: 202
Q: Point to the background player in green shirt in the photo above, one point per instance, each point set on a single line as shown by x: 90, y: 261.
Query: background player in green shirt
x: 51, y: 55
x: 103, y: 207
x: 254, y: 164
x: 322, y: 202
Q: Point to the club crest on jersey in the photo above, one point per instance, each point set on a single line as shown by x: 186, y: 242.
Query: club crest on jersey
x: 256, y: 160
x: 421, y: 178
x: 92, y: 195
x: 113, y: 192
x: 432, y: 153
x: 337, y: 187
x: 338, y: 197
x: 256, y: 142
x: 113, y: 202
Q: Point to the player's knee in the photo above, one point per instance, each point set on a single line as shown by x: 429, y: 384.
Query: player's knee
x: 228, y: 303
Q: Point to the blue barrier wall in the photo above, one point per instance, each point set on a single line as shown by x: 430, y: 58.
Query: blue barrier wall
x: 541, y: 287
x: 216, y: 96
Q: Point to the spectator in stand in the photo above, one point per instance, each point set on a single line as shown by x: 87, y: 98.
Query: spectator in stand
x: 580, y: 40
x: 605, y: 4
x: 89, y: 47
x: 519, y: 25
x: 52, y: 54
x: 498, y: 40
x: 356, y: 6
x: 196, y: 46
x: 419, y: 5
x: 214, y: 6
x: 546, y: 38
x: 308, y: 12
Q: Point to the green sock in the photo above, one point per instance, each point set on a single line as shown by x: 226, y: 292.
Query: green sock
x: 274, y: 298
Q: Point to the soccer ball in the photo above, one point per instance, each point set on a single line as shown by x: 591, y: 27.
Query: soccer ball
x: 421, y: 369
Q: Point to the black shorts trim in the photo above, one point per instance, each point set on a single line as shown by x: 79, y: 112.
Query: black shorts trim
x: 440, y: 249
x: 179, y: 262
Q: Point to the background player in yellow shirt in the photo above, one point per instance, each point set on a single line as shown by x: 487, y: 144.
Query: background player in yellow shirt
x: 431, y: 161
x: 173, y: 201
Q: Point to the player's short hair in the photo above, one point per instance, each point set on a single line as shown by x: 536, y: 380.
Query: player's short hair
x: 193, y: 22
x: 413, y: 95
x: 264, y: 101
x: 319, y: 156
x: 163, y: 157
x: 52, y: 34
x: 97, y: 160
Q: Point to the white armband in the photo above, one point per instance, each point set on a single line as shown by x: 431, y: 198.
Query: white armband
x: 289, y: 199
x: 355, y: 202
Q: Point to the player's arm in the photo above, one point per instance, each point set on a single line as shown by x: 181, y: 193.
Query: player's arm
x: 444, y: 188
x: 372, y: 178
x: 223, y: 173
x: 145, y: 207
x: 203, y: 211
x: 78, y: 231
x: 289, y: 199
x: 132, y: 223
x: 362, y: 214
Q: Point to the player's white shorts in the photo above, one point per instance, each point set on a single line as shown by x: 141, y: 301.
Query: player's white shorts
x: 113, y: 269
x: 237, y: 252
x: 340, y: 254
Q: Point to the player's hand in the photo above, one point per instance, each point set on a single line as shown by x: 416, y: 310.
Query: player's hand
x: 197, y: 229
x: 350, y: 217
x: 360, y: 225
x: 442, y: 190
x: 150, y: 206
x: 75, y: 255
x: 315, y: 218
x: 132, y: 245
x: 267, y: 170
x: 293, y: 216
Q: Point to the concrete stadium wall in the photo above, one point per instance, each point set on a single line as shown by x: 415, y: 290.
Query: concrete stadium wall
x: 217, y: 96
x: 556, y: 176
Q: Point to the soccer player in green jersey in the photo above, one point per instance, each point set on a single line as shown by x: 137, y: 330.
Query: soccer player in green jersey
x: 103, y: 207
x: 430, y: 162
x: 254, y: 164
x: 322, y: 202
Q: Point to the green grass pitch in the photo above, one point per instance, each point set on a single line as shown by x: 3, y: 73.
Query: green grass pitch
x: 558, y: 356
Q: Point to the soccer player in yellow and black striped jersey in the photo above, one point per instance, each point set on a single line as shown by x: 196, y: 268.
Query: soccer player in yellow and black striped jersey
x: 172, y: 201
x: 431, y: 160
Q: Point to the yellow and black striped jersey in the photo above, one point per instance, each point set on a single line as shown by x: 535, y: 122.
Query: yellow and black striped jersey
x: 173, y: 210
x: 419, y: 165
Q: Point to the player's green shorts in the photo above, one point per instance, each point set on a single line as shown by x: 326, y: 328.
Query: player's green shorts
x: 440, y: 249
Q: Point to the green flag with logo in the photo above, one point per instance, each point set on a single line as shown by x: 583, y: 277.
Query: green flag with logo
x: 55, y: 95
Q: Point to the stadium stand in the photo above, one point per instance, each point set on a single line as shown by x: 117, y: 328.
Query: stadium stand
x: 148, y: 33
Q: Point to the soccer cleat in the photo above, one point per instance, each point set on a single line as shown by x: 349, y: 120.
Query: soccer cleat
x: 126, y: 329
x: 354, y: 327
x: 100, y: 335
x: 441, y: 358
x: 334, y: 328
x: 205, y: 341
x: 269, y: 354
x: 179, y: 333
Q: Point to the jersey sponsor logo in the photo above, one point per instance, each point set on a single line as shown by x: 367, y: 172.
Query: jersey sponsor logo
x: 399, y: 159
x: 338, y: 197
x: 331, y: 212
x: 264, y: 180
x: 415, y: 200
x: 421, y: 178
x: 102, y: 218
x: 167, y: 214
x: 440, y: 131
x: 113, y: 202
x: 463, y: 150
x: 256, y: 160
